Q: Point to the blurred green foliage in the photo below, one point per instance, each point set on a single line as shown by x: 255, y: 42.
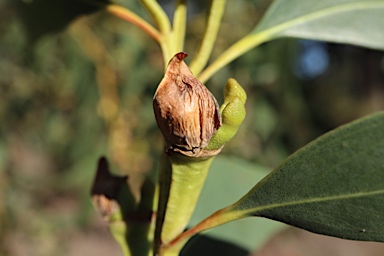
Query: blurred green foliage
x: 70, y: 92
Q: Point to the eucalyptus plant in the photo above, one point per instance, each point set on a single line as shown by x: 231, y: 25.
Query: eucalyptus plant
x: 332, y: 186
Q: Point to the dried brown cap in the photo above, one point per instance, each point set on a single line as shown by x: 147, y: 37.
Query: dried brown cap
x: 186, y: 112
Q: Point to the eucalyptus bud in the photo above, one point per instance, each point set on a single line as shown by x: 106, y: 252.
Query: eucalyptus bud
x: 186, y: 112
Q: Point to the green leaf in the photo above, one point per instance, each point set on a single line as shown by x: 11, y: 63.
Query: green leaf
x: 229, y: 179
x: 357, y: 22
x: 343, y: 21
x: 333, y: 186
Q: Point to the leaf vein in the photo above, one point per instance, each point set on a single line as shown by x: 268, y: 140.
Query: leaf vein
x: 274, y: 30
x: 252, y: 211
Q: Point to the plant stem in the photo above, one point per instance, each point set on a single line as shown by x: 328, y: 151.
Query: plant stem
x: 181, y: 180
x: 218, y: 218
x: 126, y: 14
x: 239, y: 48
x: 165, y: 44
x: 163, y: 194
x: 187, y: 182
x: 164, y: 25
x: 118, y: 231
x: 209, y: 38
x: 158, y: 15
x: 179, y: 24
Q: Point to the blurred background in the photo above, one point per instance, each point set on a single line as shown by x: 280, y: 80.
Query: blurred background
x: 77, y: 83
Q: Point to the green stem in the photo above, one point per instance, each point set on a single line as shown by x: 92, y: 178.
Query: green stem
x: 179, y: 24
x: 209, y: 38
x: 126, y: 14
x: 187, y: 181
x: 181, y: 185
x: 158, y: 15
x: 163, y: 190
x: 118, y: 230
x: 218, y: 218
x: 164, y: 25
x: 166, y: 49
x: 239, y: 48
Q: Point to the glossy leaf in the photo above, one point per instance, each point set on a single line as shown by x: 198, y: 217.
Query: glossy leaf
x: 343, y: 21
x: 332, y: 186
x: 354, y: 22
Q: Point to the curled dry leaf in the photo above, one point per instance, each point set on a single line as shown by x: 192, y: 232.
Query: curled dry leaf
x: 186, y: 112
x: 105, y: 189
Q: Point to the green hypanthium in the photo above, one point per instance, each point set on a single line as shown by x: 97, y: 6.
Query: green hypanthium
x: 342, y: 170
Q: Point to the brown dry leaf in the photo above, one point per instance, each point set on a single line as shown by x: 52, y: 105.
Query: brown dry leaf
x: 106, y: 188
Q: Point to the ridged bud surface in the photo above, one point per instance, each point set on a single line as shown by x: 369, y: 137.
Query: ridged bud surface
x: 186, y: 112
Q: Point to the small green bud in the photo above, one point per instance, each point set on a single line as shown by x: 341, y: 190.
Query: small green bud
x: 233, y: 89
x: 232, y: 112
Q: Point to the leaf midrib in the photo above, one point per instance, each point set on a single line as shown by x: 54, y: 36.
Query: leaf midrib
x: 254, y: 210
x: 275, y: 29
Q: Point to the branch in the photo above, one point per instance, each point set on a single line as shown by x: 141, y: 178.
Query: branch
x: 236, y: 50
x: 179, y: 24
x: 125, y: 14
x: 209, y: 38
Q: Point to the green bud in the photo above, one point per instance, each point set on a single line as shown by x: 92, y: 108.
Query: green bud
x: 232, y: 112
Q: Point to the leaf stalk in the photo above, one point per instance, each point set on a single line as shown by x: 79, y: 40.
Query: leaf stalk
x: 179, y: 25
x: 127, y: 15
x: 209, y: 38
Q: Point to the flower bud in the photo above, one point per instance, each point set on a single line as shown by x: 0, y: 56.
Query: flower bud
x: 186, y: 112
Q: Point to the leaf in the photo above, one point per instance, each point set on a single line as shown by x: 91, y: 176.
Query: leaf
x: 333, y: 186
x: 343, y: 21
x: 229, y: 179
x: 355, y: 22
